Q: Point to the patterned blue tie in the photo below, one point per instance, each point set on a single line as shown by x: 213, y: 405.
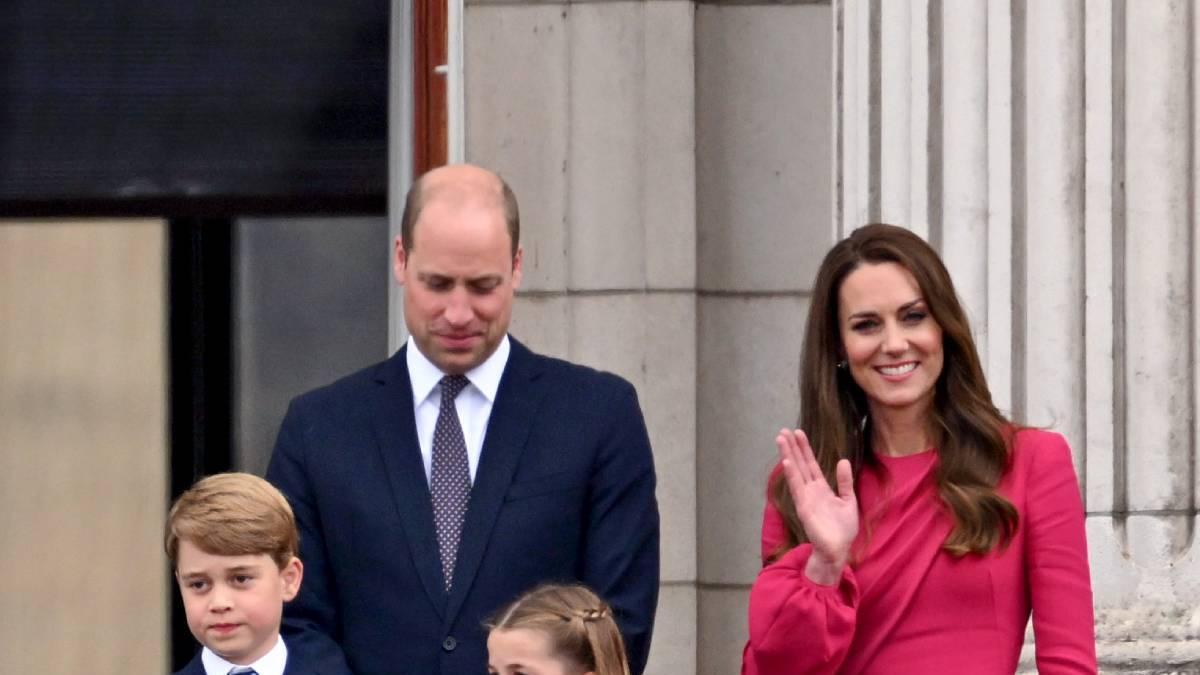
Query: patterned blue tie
x: 450, y: 476
x: 243, y: 670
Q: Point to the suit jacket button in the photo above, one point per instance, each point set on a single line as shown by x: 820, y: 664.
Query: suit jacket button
x: 449, y: 643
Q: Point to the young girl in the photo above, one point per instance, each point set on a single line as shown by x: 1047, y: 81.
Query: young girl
x: 556, y: 630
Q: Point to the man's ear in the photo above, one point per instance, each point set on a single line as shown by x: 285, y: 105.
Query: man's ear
x: 399, y: 260
x: 291, y: 575
x: 516, y: 273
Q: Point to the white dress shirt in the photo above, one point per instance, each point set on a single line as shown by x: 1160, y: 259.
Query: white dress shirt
x: 474, y: 403
x: 271, y: 663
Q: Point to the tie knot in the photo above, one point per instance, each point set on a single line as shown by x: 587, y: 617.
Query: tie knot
x: 452, y: 385
x: 243, y: 670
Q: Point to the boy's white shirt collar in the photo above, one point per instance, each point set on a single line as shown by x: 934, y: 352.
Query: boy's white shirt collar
x: 485, y: 377
x: 271, y: 663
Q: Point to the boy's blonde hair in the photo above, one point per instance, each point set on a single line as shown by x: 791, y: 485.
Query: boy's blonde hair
x: 233, y: 514
x: 579, y: 624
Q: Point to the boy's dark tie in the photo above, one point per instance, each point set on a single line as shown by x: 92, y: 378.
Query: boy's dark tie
x: 450, y: 476
x: 243, y: 670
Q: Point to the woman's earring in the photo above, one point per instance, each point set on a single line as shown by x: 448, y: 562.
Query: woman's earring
x: 842, y: 365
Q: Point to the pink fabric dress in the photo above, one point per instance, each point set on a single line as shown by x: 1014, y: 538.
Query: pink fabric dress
x: 909, y: 606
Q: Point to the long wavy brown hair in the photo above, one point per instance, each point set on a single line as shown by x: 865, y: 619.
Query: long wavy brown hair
x: 972, y: 437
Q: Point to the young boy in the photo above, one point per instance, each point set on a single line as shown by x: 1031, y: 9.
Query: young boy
x: 232, y: 541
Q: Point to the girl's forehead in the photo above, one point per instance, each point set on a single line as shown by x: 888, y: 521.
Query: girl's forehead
x: 524, y: 641
x: 524, y: 650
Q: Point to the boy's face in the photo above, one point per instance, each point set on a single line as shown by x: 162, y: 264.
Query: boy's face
x: 234, y: 602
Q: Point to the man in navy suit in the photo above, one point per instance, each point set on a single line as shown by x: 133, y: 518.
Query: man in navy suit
x: 435, y: 487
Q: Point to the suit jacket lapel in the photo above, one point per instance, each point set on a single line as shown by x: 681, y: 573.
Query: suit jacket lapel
x: 515, y: 408
x: 396, y: 430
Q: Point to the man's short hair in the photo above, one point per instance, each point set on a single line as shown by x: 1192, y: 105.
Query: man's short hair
x: 233, y: 514
x: 414, y: 202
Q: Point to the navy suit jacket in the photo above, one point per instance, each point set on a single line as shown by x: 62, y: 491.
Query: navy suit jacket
x: 194, y: 667
x: 564, y: 491
x: 292, y: 667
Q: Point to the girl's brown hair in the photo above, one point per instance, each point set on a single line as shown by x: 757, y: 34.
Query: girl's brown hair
x: 971, y: 436
x: 580, y: 626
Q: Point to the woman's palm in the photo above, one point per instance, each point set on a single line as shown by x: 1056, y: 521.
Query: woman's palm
x: 830, y: 519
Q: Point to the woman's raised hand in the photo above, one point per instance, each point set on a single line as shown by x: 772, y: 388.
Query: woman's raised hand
x: 830, y: 520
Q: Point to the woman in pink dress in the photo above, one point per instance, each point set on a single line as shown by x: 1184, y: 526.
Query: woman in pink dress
x: 910, y: 527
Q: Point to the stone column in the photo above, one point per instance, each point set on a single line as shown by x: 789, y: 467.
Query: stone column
x: 587, y: 110
x: 763, y: 151
x: 1048, y: 150
x: 672, y: 162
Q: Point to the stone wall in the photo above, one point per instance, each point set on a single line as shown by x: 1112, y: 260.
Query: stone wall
x: 672, y: 163
x: 682, y: 167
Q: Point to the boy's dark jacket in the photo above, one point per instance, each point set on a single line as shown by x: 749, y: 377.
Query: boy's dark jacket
x: 294, y: 666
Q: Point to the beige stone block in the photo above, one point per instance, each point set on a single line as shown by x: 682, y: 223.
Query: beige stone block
x: 1146, y: 585
x: 608, y: 331
x: 764, y: 145
x: 669, y: 402
x: 669, y: 145
x: 607, y: 239
x: 1174, y: 657
x: 722, y: 629
x: 748, y: 355
x: 1114, y: 577
x: 673, y: 649
x: 1163, y: 553
x: 1147, y: 594
x: 540, y: 323
x: 83, y: 447
x: 650, y: 340
x: 516, y: 122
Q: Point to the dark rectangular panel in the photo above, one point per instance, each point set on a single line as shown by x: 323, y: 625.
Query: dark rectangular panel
x: 309, y: 306
x: 134, y: 101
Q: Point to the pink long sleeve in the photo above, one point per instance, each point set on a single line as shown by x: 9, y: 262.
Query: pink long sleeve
x: 907, y: 606
x: 796, y: 625
x: 1056, y: 562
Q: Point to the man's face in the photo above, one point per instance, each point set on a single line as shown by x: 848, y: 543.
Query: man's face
x: 459, y: 281
x: 234, y: 603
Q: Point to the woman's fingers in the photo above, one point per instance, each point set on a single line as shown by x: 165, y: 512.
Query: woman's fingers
x: 797, y: 457
x: 807, y: 456
x: 796, y: 484
x: 845, y: 480
x: 801, y: 469
x: 789, y: 451
x: 781, y: 442
x: 791, y: 467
